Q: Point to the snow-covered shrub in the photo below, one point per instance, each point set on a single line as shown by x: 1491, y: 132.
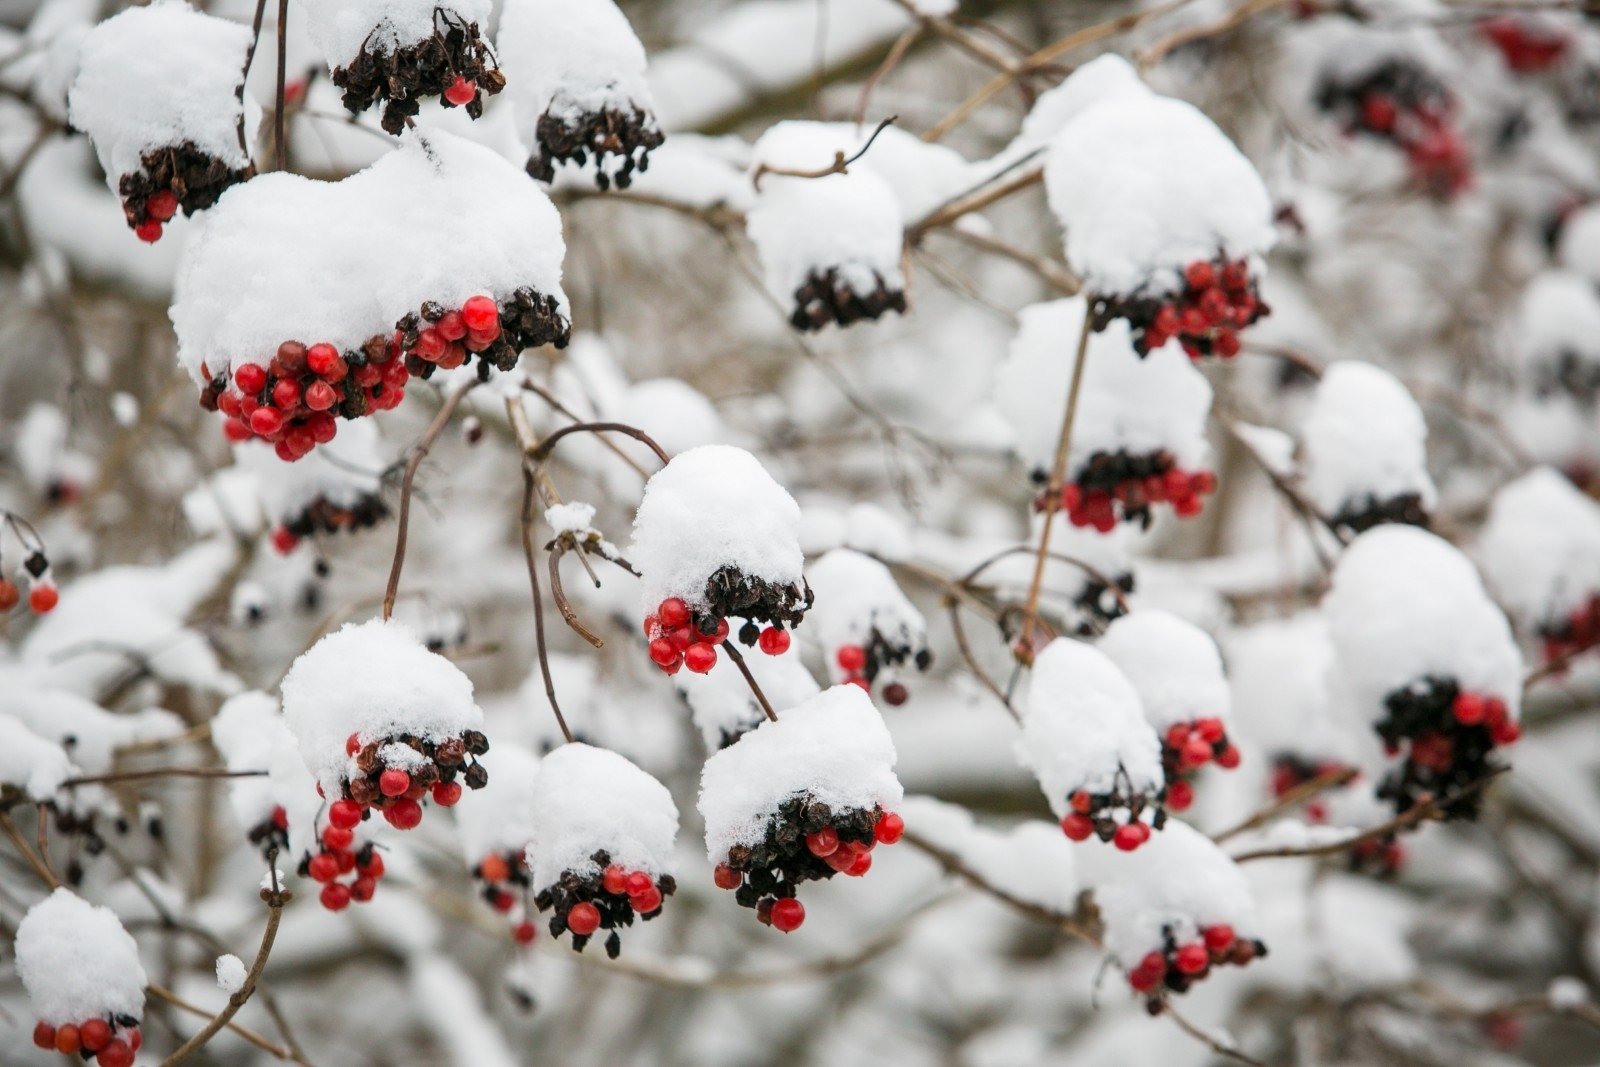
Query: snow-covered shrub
x: 1176, y: 669
x: 868, y: 629
x: 602, y: 854
x: 1365, y: 450
x: 160, y: 92
x: 798, y: 799
x: 1085, y: 737
x: 1558, y: 336
x: 1030, y: 860
x: 1166, y: 220
x: 1429, y: 662
x: 251, y: 736
x: 497, y: 826
x: 84, y: 979
x: 400, y: 51
x: 577, y: 79
x: 29, y: 765
x: 1138, y: 438
x: 716, y: 538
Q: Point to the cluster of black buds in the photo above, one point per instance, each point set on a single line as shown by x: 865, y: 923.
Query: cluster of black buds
x: 864, y: 662
x: 1113, y: 484
x: 454, y: 64
x: 1401, y: 103
x: 398, y: 792
x: 567, y: 136
x: 1174, y: 967
x: 1218, y: 299
x: 1569, y: 374
x: 1360, y: 514
x: 827, y: 296
x: 1114, y: 816
x: 731, y: 592
x: 324, y: 516
x: 805, y: 841
x: 503, y: 879
x: 1447, y: 735
x: 606, y: 899
x: 1097, y: 605
x: 174, y: 178
x: 437, y: 337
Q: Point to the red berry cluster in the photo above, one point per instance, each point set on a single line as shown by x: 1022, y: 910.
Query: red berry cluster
x: 1112, y: 484
x: 607, y: 898
x: 863, y: 663
x: 455, y: 63
x: 805, y: 841
x: 504, y: 877
x: 340, y: 856
x: 1447, y: 736
x: 271, y: 835
x: 1176, y: 967
x: 171, y: 178
x: 42, y: 592
x: 1403, y: 104
x: 1218, y: 299
x: 110, y: 1041
x: 324, y: 516
x: 1095, y: 814
x: 1527, y: 48
x: 1186, y: 748
x: 1580, y: 632
x: 678, y: 639
x: 398, y: 792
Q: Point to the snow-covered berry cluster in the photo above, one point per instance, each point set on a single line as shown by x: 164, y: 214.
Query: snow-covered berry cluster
x: 1580, y: 631
x: 585, y: 903
x: 1185, y: 748
x: 442, y: 338
x: 396, y: 771
x: 1403, y: 103
x: 868, y: 628
x: 84, y: 980
x: 1175, y: 967
x: 1364, y: 450
x: 1113, y: 485
x: 678, y: 639
x: 42, y: 592
x: 342, y: 855
x: 1113, y: 816
x: 1219, y: 298
x: 1528, y: 46
x: 1446, y: 734
x: 502, y: 878
x: 833, y: 295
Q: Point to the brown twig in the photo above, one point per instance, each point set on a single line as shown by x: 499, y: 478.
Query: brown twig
x: 1153, y: 54
x: 280, y: 139
x: 840, y: 165
x: 991, y: 192
x: 897, y: 52
x: 419, y: 452
x: 744, y: 668
x: 541, y: 452
x: 956, y: 628
x: 1331, y: 779
x: 558, y: 548
x: 1216, y: 1044
x: 955, y: 865
x: 159, y: 772
x: 29, y: 856
x: 162, y: 993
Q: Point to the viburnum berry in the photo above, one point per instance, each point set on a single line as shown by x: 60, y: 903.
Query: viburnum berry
x: 335, y: 839
x: 889, y: 829
x: 403, y: 814
x: 148, y: 231
x: 461, y: 92
x: 774, y: 640
x: 823, y: 843
x: 788, y: 914
x: 700, y: 658
x: 67, y: 1040
x: 524, y: 933
x: 116, y: 1053
x: 1192, y: 959
x: 851, y: 658
x: 1218, y: 937
x: 394, y: 782
x: 1130, y: 836
x: 335, y: 896
x: 324, y: 867
x: 446, y: 794
x: 43, y: 597
x: 44, y: 1035
x: 583, y: 919
x: 726, y: 877
x: 1077, y: 827
x: 344, y: 814
x: 9, y: 595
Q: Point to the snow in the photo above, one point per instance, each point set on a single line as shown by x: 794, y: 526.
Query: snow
x: 1140, y: 405
x: 76, y: 961
x: 858, y: 597
x: 1082, y: 724
x: 251, y: 735
x: 833, y: 748
x: 375, y: 680
x: 159, y: 76
x: 89, y: 734
x: 283, y: 257
x: 575, y: 518
x: 1177, y: 879
x: 1566, y: 993
x: 342, y: 28
x: 1540, y: 548
x: 586, y: 799
x: 29, y: 762
x: 1145, y: 185
x: 1364, y: 435
x: 1032, y: 861
x: 230, y: 974
x: 1102, y: 78
x: 1580, y: 242
x: 1279, y: 670
x: 1174, y: 666
x: 713, y: 507
x: 1404, y: 605
x: 1559, y: 316
x: 43, y: 454
x: 722, y: 703
x: 343, y: 472
x: 499, y: 817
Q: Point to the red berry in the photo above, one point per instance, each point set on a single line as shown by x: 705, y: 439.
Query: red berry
x: 1211, y: 730
x: 451, y: 327
x: 1226, y: 344
x: 480, y: 313
x: 720, y: 634
x: 446, y: 794
x: 67, y: 1040
x: 266, y: 421
x: 1082, y: 802
x: 135, y: 1039
x: 373, y: 868
x: 323, y: 428
x: 286, y: 394
x: 681, y: 637
x: 823, y: 843
x: 1203, y: 483
x: 43, y: 597
x: 335, y: 896
x: 363, y: 888
x: 161, y: 205
x: 403, y: 814
x: 94, y: 1034
x: 116, y: 1054
x: 525, y: 933
x: 44, y: 1035
x: 583, y: 918
x: 851, y: 658
x: 638, y: 882
x: 320, y: 396
x: 461, y: 92
x: 1378, y: 113
x: 726, y: 877
x: 148, y: 231
x: 1218, y: 937
x: 325, y: 362
x: 889, y: 828
x: 615, y: 880
x: 344, y: 814
x: 250, y: 378
x: 280, y: 818
x: 1494, y: 711
x: 700, y: 658
x: 335, y: 839
x: 324, y: 867
x: 503, y: 901
x: 494, y: 868
x: 1192, y: 958
x: 394, y: 782
x: 1195, y: 752
x: 1128, y: 837
x: 860, y: 864
x: 1180, y: 795
x: 236, y: 431
x: 1229, y: 758
x: 10, y: 595
x: 284, y: 542
x: 788, y: 914
x: 774, y: 640
x: 646, y: 902
x: 1200, y: 275
x: 1077, y: 827
x: 673, y: 612
x: 1507, y: 733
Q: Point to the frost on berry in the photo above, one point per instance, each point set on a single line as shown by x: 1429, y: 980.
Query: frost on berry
x: 722, y: 704
x: 1557, y: 343
x: 496, y: 826
x: 79, y: 965
x: 336, y: 490
x: 31, y: 768
x: 1176, y: 669
x: 870, y: 632
x: 158, y: 92
x: 1085, y: 738
x: 603, y: 853
x: 829, y: 247
x: 1540, y: 554
x: 577, y: 78
x: 1138, y: 439
x: 382, y: 721
x: 1030, y: 860
x: 1365, y: 457
x: 800, y: 799
x: 397, y: 52
x: 715, y: 538
x: 1174, y: 911
x: 1429, y: 662
x: 1166, y: 221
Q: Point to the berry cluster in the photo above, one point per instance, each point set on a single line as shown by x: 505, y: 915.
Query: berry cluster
x: 110, y: 1041
x: 1579, y: 632
x: 1569, y: 374
x: 271, y: 835
x: 1176, y: 967
x: 1186, y: 748
x: 341, y: 855
x: 678, y: 639
x: 827, y: 296
x: 1097, y: 814
x: 571, y: 135
x: 1527, y: 48
x: 863, y: 663
x: 1360, y: 515
x: 324, y: 516
x: 504, y: 877
x: 1097, y: 606
x: 608, y: 898
x: 454, y: 64
x: 1405, y: 105
x: 1218, y: 299
x: 172, y: 178
x: 1450, y: 734
x: 42, y: 592
x: 394, y: 774
x: 805, y: 841
x: 1113, y: 482
x: 293, y: 401
x: 682, y: 637
x: 1291, y: 772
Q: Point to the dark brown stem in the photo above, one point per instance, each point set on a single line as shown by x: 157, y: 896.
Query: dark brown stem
x: 1299, y: 794
x: 958, y: 867
x: 403, y: 521
x: 159, y: 772
x: 954, y: 607
x: 558, y: 548
x: 840, y: 164
x: 542, y: 450
x: 29, y: 856
x: 249, y: 60
x: 281, y: 144
x: 744, y: 668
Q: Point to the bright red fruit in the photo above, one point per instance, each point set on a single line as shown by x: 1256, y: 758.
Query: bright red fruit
x: 161, y: 205
x: 116, y: 1054
x: 394, y: 782
x: 851, y: 658
x: 250, y: 378
x: 1077, y: 827
x: 774, y: 640
x: 446, y: 794
x: 823, y: 843
x: 148, y: 231
x: 344, y: 814
x: 43, y: 597
x: 889, y: 828
x: 788, y: 914
x: 403, y: 814
x: 583, y: 919
x: 726, y: 877
x: 1192, y: 959
x: 335, y: 896
x: 324, y: 867
x: 44, y: 1035
x: 481, y: 314
x: 646, y: 902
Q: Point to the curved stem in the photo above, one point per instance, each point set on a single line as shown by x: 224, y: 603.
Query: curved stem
x: 408, y: 481
x: 541, y: 452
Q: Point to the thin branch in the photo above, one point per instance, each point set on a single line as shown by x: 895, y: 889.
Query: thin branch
x: 1216, y: 1044
x: 897, y: 52
x: 840, y: 165
x: 954, y: 607
x: 419, y: 452
x: 957, y: 866
x: 558, y: 548
x: 29, y: 856
x: 1331, y: 779
x: 977, y: 200
x: 159, y: 772
x: 550, y: 398
x: 162, y: 993
x: 280, y: 141
x: 1153, y: 54
x: 541, y: 452
x: 744, y: 668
